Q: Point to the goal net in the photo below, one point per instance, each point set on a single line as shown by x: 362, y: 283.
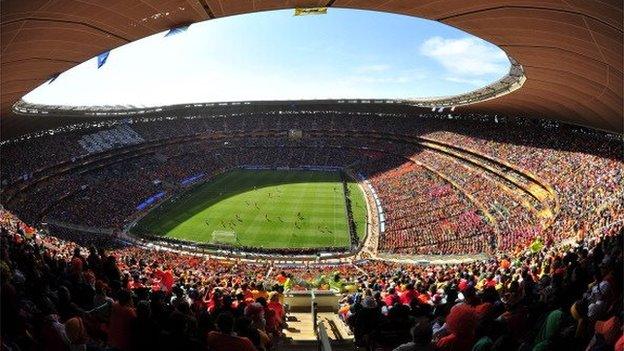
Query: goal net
x: 224, y: 237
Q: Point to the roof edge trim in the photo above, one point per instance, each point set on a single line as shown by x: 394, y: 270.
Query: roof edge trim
x: 512, y: 81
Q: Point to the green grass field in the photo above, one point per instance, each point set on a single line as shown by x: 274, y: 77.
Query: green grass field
x: 262, y: 208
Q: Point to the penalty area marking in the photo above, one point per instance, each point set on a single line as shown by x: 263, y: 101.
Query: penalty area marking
x: 224, y: 237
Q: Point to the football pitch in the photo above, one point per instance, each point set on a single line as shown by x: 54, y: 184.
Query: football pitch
x: 263, y: 209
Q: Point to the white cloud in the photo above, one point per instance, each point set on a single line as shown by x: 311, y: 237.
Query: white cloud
x: 466, y: 56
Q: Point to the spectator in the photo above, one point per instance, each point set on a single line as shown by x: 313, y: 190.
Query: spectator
x: 224, y: 339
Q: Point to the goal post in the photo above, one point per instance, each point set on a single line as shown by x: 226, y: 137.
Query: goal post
x: 224, y: 237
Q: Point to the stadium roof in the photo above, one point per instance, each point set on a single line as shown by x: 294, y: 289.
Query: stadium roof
x: 570, y: 51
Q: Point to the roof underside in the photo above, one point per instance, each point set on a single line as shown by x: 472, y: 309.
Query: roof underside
x: 571, y: 50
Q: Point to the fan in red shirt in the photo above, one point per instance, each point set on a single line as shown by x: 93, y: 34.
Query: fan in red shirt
x: 276, y: 306
x: 119, y: 324
x: 225, y: 339
x: 461, y: 323
x: 408, y: 295
x: 391, y: 297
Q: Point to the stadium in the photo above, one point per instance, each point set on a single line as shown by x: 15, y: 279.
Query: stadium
x: 488, y: 219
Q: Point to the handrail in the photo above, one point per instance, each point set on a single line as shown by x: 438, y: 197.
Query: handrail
x: 323, y: 338
x: 313, y: 309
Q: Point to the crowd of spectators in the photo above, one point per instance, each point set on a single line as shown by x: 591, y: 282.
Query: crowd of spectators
x: 425, y: 214
x: 57, y: 295
x: 559, y: 298
x: 513, y: 222
x: 585, y: 171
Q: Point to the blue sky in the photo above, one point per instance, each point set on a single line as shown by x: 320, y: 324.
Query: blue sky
x: 276, y: 56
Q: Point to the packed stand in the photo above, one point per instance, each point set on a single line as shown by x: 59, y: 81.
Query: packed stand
x: 57, y: 295
x: 585, y: 170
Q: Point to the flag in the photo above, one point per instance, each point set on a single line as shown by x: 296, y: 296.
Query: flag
x: 288, y: 284
x: 536, y: 245
x: 101, y: 59
x: 29, y: 231
x: 53, y: 77
x: 304, y: 11
x: 177, y: 30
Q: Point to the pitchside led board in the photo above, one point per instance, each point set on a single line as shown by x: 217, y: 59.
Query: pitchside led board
x: 295, y: 134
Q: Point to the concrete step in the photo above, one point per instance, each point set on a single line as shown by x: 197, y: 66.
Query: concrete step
x: 337, y: 330
x: 300, y: 327
x: 300, y: 334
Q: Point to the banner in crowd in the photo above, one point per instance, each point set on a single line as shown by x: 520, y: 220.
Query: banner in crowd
x: 150, y: 200
x: 192, y: 179
x: 380, y: 212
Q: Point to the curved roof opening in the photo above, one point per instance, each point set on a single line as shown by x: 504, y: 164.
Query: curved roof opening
x: 277, y: 56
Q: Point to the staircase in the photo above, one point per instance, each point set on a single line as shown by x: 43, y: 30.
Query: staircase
x: 300, y: 334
